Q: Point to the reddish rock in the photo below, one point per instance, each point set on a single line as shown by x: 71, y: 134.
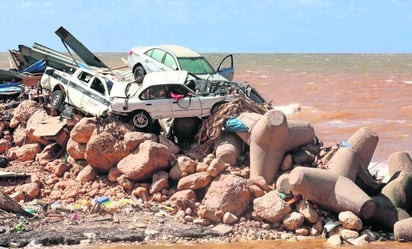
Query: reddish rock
x: 83, y: 130
x: 104, y: 151
x: 125, y: 182
x: 76, y: 150
x: 49, y: 153
x: 194, y: 181
x: 57, y: 167
x: 160, y: 181
x: 23, y: 112
x: 19, y: 136
x: 113, y: 174
x: 227, y: 193
x: 184, y: 166
x: 271, y: 207
x: 32, y: 190
x: 141, y: 192
x: 87, y: 174
x: 132, y: 140
x: 35, y: 120
x: 150, y: 158
x: 293, y: 221
x: 183, y: 196
x: 216, y: 167
x: 201, y: 167
x: 27, y: 152
x: 169, y: 144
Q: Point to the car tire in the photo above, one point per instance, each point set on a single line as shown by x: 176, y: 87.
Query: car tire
x: 139, y: 73
x: 57, y: 99
x: 216, y: 107
x: 141, y: 120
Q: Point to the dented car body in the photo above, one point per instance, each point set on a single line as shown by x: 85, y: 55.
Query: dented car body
x: 83, y: 89
x: 163, y: 95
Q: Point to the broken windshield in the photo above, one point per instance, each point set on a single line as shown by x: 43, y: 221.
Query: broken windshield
x: 196, y: 65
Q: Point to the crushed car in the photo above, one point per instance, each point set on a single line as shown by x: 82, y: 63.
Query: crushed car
x: 146, y: 59
x: 164, y: 95
x: 81, y: 88
x: 161, y: 95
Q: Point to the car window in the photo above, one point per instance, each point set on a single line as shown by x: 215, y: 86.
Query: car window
x: 97, y: 85
x: 195, y: 65
x: 84, y: 77
x: 170, y: 61
x: 158, y: 54
x: 153, y: 92
x: 178, y: 89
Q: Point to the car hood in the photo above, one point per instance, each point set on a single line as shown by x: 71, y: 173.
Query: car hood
x: 215, y: 76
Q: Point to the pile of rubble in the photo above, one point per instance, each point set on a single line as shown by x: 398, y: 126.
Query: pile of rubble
x: 293, y: 183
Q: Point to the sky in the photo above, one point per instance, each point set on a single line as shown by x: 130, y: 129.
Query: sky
x: 235, y: 26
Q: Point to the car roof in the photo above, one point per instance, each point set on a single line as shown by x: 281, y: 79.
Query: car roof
x: 178, y: 51
x: 165, y: 77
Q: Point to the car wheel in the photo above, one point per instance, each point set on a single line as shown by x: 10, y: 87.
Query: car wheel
x: 141, y: 120
x: 57, y: 99
x: 139, y: 74
x: 216, y: 107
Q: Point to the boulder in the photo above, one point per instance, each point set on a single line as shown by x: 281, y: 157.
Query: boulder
x: 83, y: 130
x: 104, y: 151
x: 132, y: 140
x: 186, y: 195
x: 271, y: 207
x: 160, y: 181
x: 35, y: 121
x: 27, y: 152
x: 75, y: 149
x: 350, y: 221
x: 87, y: 174
x: 151, y: 157
x: 226, y: 193
x: 216, y: 167
x: 194, y: 181
x: 293, y: 221
x: 57, y: 167
x: 23, y: 112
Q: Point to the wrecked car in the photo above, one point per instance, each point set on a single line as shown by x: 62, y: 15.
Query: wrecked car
x: 83, y: 89
x: 163, y: 95
x: 143, y: 60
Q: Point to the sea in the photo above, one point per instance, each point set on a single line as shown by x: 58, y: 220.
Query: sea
x: 336, y: 93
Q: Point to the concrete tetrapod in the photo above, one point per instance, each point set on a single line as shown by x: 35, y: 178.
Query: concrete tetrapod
x: 270, y: 136
x: 334, y: 192
x: 402, y: 230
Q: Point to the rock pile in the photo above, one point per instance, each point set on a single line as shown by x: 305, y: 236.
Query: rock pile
x: 293, y: 182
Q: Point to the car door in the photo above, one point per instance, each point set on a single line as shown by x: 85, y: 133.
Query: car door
x: 184, y: 103
x: 155, y: 101
x: 153, y: 61
x: 226, y: 68
x: 95, y: 97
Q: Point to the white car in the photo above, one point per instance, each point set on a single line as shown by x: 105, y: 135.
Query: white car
x: 144, y: 60
x: 86, y: 90
x: 163, y: 95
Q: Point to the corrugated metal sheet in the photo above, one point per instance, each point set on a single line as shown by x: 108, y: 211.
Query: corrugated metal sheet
x: 85, y: 54
x: 33, y: 55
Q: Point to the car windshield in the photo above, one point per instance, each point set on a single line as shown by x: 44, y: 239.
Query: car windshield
x: 195, y: 65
